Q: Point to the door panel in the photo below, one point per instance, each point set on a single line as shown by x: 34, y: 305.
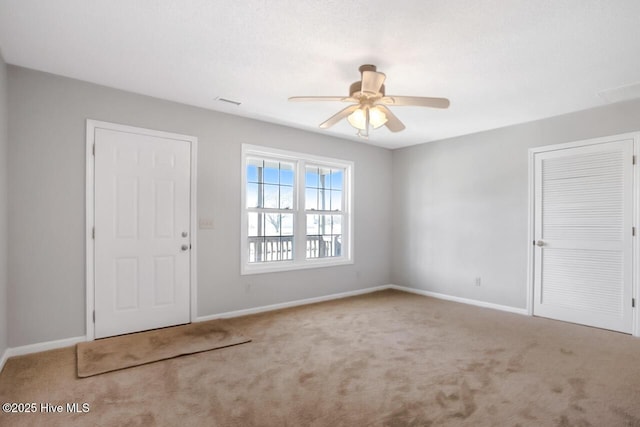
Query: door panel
x: 583, y: 219
x: 142, y: 224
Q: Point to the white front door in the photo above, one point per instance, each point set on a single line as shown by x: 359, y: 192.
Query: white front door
x: 142, y: 231
x: 583, y: 234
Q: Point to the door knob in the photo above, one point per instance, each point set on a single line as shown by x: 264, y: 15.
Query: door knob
x: 185, y: 247
x: 540, y: 243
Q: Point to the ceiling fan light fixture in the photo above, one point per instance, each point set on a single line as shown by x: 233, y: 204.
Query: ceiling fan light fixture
x: 377, y: 117
x: 358, y: 119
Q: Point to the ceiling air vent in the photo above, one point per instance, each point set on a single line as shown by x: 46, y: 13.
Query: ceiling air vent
x: 228, y: 101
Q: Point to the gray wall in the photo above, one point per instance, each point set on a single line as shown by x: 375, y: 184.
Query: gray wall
x: 47, y: 200
x: 460, y: 205
x: 4, y: 143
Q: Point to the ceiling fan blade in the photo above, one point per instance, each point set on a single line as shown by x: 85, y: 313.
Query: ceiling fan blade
x: 393, y: 123
x: 322, y: 98
x: 339, y: 116
x: 372, y: 81
x: 418, y: 101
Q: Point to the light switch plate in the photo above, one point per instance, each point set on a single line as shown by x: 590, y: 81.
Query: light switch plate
x: 205, y: 224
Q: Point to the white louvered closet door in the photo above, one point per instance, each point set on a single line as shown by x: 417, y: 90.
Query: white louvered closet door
x: 583, y: 235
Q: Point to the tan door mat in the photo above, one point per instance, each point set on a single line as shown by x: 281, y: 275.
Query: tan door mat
x: 125, y: 351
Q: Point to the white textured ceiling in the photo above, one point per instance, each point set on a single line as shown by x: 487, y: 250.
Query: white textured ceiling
x: 500, y: 62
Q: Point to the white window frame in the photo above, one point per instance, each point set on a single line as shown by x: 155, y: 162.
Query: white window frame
x: 300, y: 160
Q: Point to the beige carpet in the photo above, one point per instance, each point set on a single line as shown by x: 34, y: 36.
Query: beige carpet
x: 384, y: 359
x: 111, y: 354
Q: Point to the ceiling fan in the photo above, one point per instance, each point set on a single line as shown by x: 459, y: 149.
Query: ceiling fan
x: 370, y: 103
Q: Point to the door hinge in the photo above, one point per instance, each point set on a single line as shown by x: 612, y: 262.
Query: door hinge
x: 94, y: 148
x: 633, y: 302
x: 93, y: 233
x: 633, y: 231
x: 94, y: 316
x: 633, y: 160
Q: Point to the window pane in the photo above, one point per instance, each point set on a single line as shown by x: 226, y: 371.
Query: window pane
x: 323, y: 200
x: 272, y: 224
x: 252, y: 195
x: 256, y: 224
x: 286, y: 197
x: 324, y: 177
x: 324, y: 224
x: 264, y: 237
x: 261, y: 224
x: 336, y: 245
x: 311, y: 177
x: 286, y: 228
x: 271, y: 172
x: 336, y: 179
x: 255, y: 246
x: 286, y: 174
x: 336, y: 200
x: 312, y: 225
x: 336, y: 224
x: 252, y: 170
x: 271, y: 196
x: 324, y: 236
x: 285, y: 250
x: 313, y: 230
x: 311, y: 199
x: 270, y: 249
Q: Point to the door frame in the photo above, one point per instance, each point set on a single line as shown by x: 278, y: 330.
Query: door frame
x: 92, y: 125
x: 635, y: 285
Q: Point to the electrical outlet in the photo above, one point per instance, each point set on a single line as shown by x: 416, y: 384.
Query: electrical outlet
x: 478, y: 281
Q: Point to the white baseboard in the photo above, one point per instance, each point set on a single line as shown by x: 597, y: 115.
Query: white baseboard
x: 4, y: 358
x: 43, y: 346
x: 262, y: 309
x: 38, y: 347
x: 446, y: 297
x: 271, y: 307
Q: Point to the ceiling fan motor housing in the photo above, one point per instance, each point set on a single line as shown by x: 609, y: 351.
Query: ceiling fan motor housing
x: 367, y: 67
x: 355, y: 90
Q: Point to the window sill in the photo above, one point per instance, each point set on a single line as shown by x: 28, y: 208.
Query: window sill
x: 276, y: 267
